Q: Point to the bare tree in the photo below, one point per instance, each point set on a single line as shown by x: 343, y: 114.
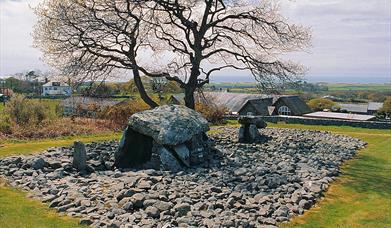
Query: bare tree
x: 93, y: 39
x: 190, y: 39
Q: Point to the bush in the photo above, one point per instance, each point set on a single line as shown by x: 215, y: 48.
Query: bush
x: 5, y: 124
x: 211, y: 112
x: 120, y: 113
x: 23, y: 111
x: 320, y: 104
x: 386, y: 109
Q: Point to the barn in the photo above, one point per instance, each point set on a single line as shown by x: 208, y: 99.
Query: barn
x: 256, y: 104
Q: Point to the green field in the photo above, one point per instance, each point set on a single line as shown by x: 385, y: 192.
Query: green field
x: 252, y: 87
x: 359, y: 87
x: 360, y: 197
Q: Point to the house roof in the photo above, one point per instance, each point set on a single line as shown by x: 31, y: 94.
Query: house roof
x: 360, y: 108
x: 337, y: 115
x: 85, y: 101
x: 180, y: 97
x: 296, y: 104
x: 54, y: 84
x: 233, y: 101
x: 261, y: 106
x: 375, y: 106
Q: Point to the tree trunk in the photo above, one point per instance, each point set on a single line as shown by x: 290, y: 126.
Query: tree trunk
x: 189, y: 97
x: 141, y: 89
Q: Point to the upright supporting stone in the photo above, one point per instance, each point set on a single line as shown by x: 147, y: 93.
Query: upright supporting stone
x: 248, y: 131
x: 79, y: 156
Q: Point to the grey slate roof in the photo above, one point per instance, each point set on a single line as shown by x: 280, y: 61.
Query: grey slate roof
x: 233, y: 101
x: 375, y: 106
x: 357, y: 108
x: 295, y: 104
x: 261, y: 106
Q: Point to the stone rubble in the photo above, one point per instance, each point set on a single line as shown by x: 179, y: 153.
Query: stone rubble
x: 243, y: 185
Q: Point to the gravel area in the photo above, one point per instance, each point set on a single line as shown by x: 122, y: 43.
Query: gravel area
x: 240, y: 185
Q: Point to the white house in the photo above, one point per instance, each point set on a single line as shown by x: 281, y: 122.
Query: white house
x: 56, y: 89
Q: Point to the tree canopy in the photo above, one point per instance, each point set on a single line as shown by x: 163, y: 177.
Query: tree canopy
x: 185, y: 41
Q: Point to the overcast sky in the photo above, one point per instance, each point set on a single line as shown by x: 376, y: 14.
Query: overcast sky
x: 351, y: 38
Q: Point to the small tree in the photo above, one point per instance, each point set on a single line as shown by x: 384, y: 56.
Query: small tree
x: 386, y: 109
x: 190, y: 39
x: 320, y: 104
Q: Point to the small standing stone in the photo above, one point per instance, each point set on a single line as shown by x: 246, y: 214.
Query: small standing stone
x: 79, y: 156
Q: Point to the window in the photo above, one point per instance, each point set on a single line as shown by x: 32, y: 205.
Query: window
x: 283, y: 110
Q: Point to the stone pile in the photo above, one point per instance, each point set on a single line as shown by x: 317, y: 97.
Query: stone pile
x: 244, y: 185
x: 248, y: 131
x: 170, y: 137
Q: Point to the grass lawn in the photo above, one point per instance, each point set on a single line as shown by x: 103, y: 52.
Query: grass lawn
x: 16, y: 210
x: 361, y: 197
x: 10, y: 148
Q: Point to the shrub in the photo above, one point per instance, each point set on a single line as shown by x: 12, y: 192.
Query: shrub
x: 5, y: 124
x: 120, y: 113
x: 211, y: 112
x: 23, y: 111
x: 386, y: 109
x: 319, y: 104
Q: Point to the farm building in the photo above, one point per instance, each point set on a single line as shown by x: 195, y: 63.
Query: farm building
x: 291, y: 106
x: 56, y: 89
x: 369, y: 108
x: 257, y: 104
x: 86, y: 105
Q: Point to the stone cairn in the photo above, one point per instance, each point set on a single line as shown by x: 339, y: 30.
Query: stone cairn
x: 248, y: 131
x: 168, y: 137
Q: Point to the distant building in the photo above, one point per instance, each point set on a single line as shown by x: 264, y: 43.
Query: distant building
x: 257, y: 104
x: 6, y: 92
x: 374, y: 107
x: 369, y: 108
x: 56, y: 89
x: 340, y: 116
x: 73, y: 105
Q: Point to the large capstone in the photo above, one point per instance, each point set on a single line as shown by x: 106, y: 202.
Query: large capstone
x: 169, y: 137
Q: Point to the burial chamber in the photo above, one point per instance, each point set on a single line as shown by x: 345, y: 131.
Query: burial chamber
x: 169, y: 137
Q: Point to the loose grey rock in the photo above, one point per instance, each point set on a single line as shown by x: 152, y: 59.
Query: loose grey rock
x: 38, y: 163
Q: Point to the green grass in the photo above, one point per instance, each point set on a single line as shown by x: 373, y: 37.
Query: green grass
x: 16, y: 210
x: 361, y: 197
x: 20, y: 147
x: 359, y: 87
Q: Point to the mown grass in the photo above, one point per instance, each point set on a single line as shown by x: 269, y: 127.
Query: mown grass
x: 23, y: 147
x: 16, y: 210
x: 361, y: 197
